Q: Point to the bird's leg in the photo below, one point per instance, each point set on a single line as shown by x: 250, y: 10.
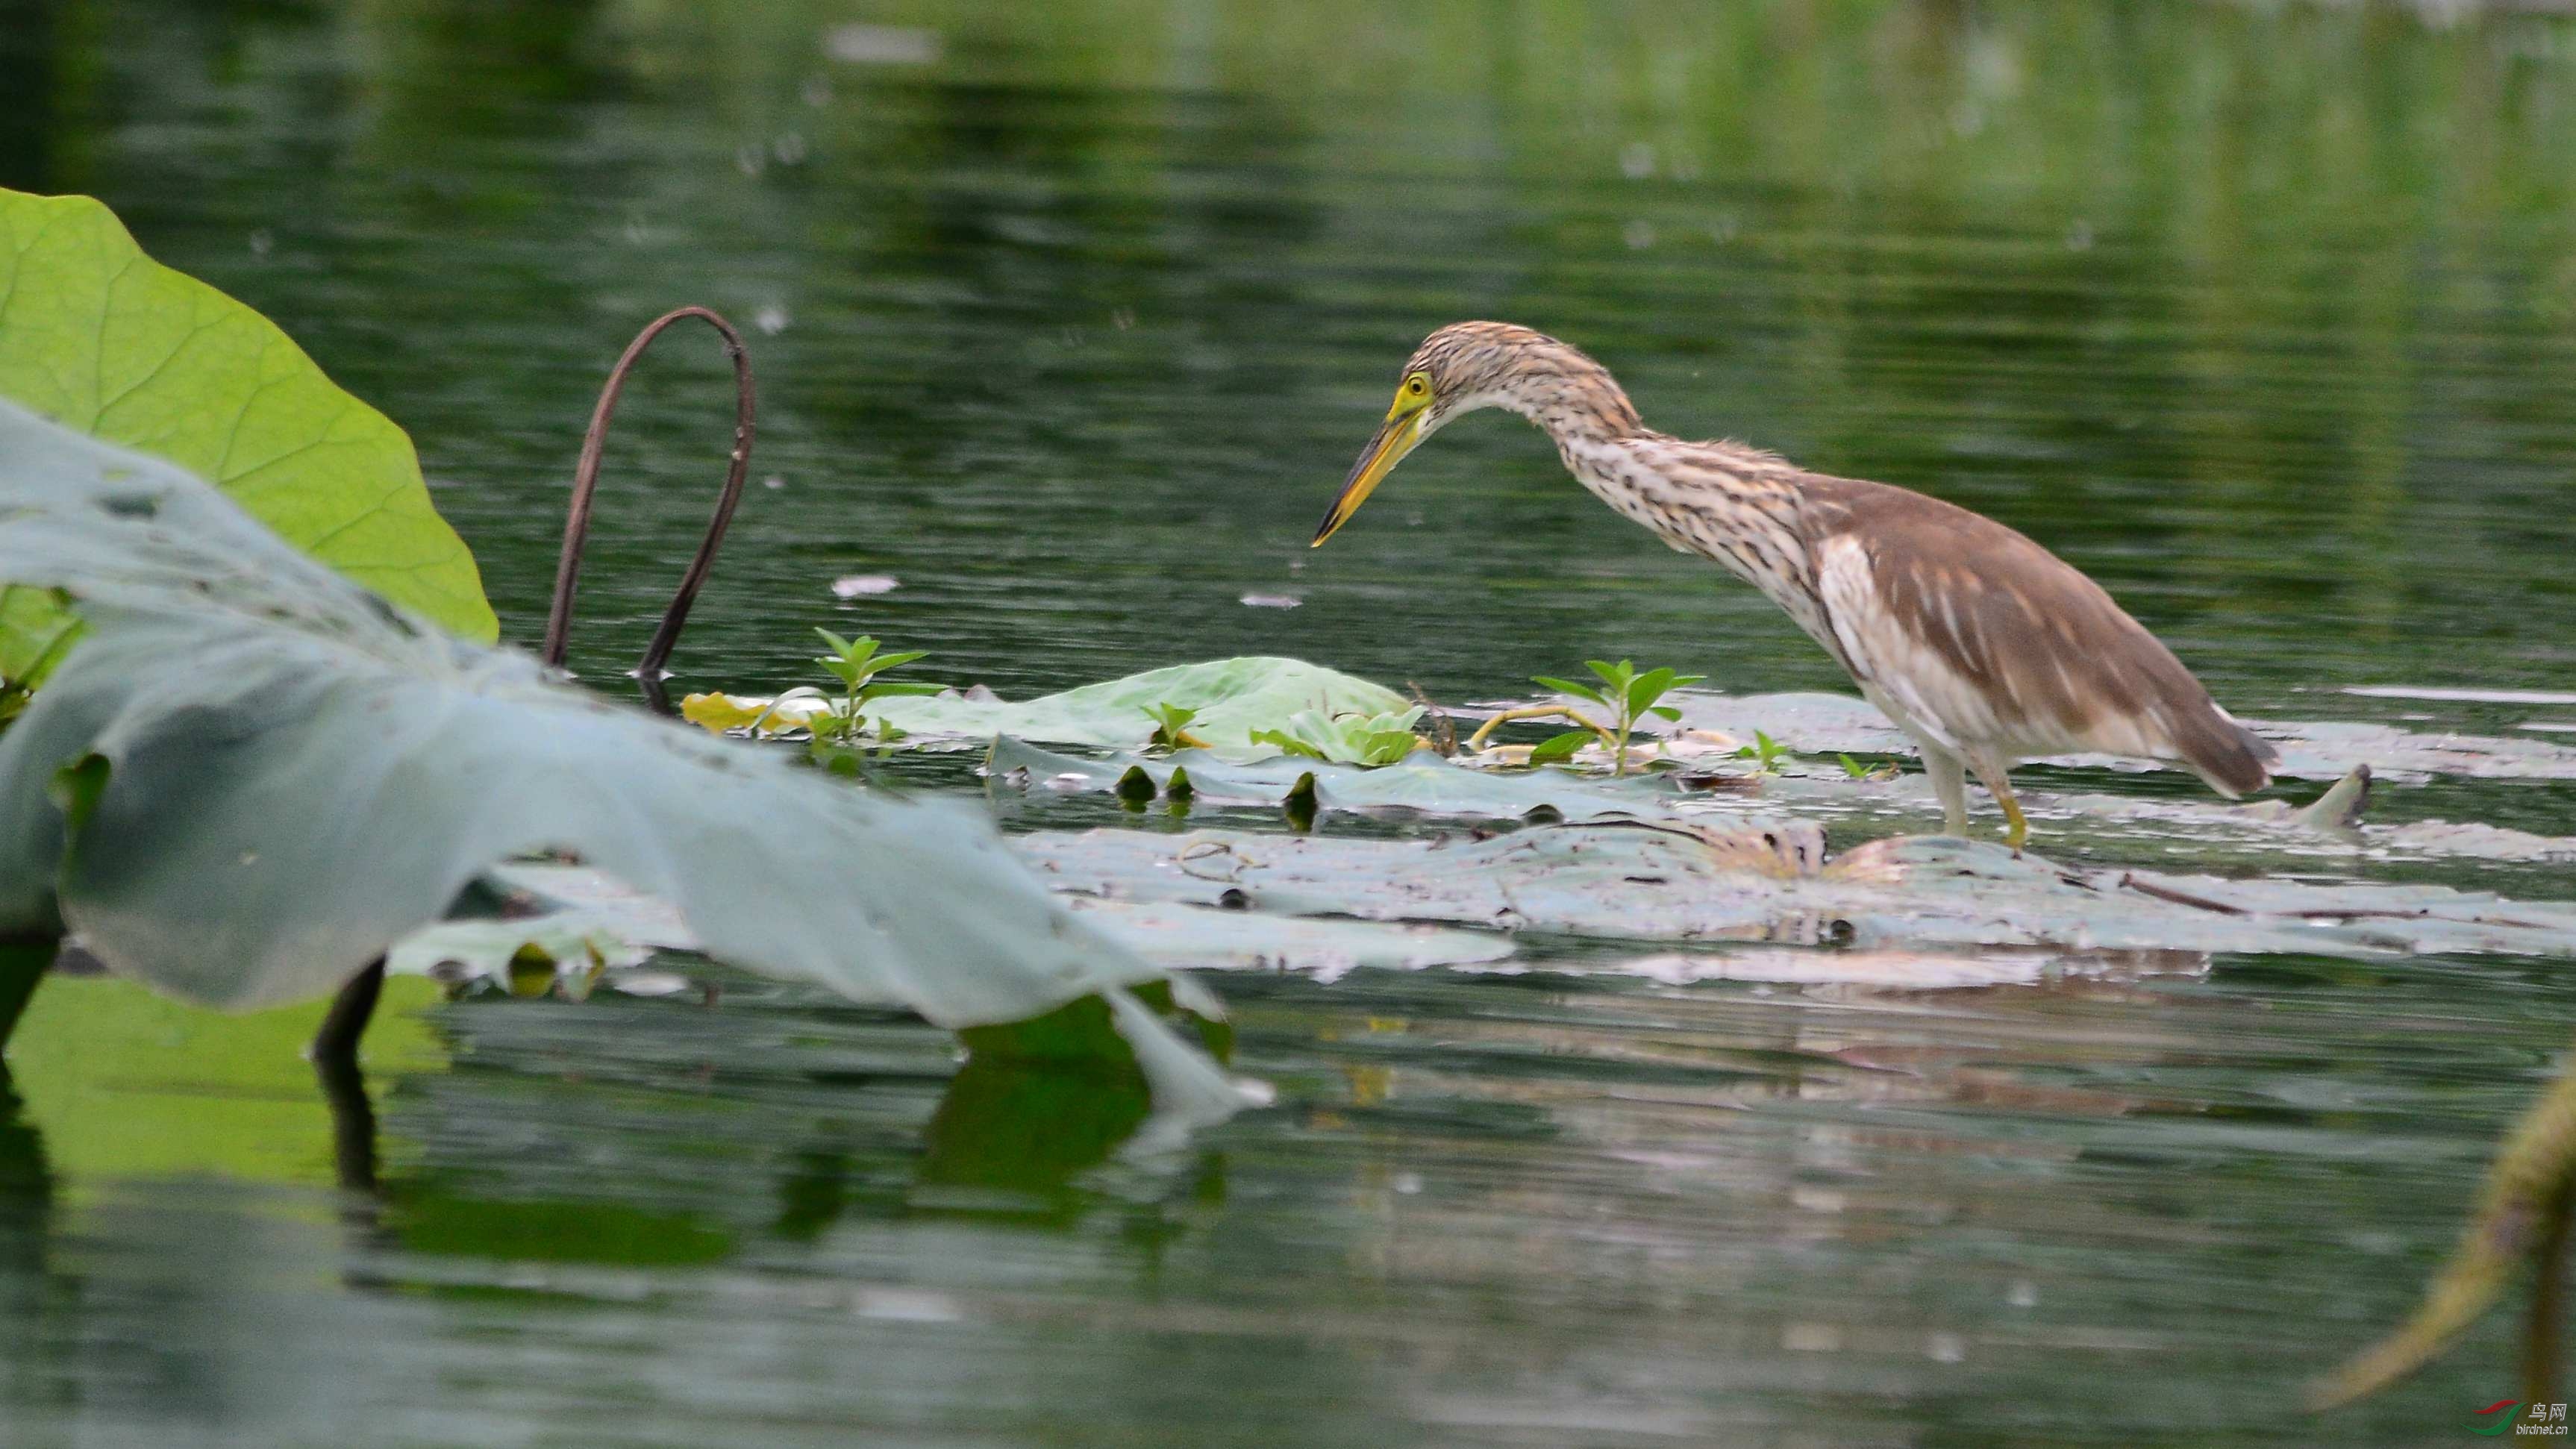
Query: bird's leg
x: 1996, y: 778
x: 2016, y: 825
x: 1476, y: 741
x: 1950, y: 784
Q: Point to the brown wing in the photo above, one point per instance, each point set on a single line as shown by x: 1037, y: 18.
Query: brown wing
x: 2044, y: 655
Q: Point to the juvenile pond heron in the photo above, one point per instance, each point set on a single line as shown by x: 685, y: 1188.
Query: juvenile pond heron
x: 1983, y: 647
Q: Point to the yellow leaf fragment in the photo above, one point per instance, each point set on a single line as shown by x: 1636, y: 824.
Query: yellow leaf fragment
x: 762, y: 715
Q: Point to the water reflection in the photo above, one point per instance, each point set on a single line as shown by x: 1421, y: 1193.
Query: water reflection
x: 353, y: 1124
x: 26, y: 1212
x: 1010, y: 1137
x: 1739, y: 1202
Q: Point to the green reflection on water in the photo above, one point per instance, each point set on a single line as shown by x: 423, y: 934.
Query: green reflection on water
x: 2260, y: 315
x: 123, y: 1086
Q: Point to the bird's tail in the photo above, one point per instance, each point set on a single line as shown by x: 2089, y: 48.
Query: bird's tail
x: 2233, y: 759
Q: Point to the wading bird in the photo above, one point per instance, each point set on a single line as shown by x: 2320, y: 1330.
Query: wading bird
x: 1983, y: 647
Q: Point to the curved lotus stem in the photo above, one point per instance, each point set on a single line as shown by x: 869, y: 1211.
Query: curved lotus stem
x: 1476, y: 741
x: 2522, y: 1213
x: 586, y: 481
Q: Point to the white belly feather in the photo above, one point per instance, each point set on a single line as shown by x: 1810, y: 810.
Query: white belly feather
x: 1934, y: 699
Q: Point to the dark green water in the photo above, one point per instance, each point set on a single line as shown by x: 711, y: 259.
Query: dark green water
x: 2266, y: 317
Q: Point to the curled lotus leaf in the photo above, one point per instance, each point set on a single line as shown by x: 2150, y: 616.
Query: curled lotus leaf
x: 254, y: 777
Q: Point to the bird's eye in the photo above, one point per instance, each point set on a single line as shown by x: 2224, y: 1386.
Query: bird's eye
x: 1416, y: 386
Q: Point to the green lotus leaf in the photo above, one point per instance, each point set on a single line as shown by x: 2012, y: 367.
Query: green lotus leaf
x: 1231, y: 697
x: 106, y: 341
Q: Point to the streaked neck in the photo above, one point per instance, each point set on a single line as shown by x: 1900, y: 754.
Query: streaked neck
x: 1573, y: 397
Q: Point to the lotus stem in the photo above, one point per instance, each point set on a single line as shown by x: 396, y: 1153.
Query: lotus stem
x: 1476, y: 741
x: 586, y: 482
x: 335, y: 1045
x: 2522, y: 1213
x: 23, y: 962
x: 353, y: 1122
x: 2541, y: 1326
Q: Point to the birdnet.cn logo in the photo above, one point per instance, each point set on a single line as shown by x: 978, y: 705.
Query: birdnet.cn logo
x: 2508, y: 1416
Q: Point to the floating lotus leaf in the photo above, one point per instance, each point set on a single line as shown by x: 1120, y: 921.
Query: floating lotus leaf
x: 1232, y: 697
x: 1180, y: 935
x: 585, y: 912
x: 1677, y: 881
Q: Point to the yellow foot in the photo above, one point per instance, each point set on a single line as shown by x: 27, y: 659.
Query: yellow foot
x: 2016, y: 825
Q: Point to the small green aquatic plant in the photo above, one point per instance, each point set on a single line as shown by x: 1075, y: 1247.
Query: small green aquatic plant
x: 1172, y: 727
x: 856, y: 663
x: 1766, y: 754
x: 1560, y: 747
x: 1865, y: 773
x: 1347, y: 739
x: 1626, y: 694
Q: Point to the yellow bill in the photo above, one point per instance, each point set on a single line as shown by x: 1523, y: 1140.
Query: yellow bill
x: 1395, y: 438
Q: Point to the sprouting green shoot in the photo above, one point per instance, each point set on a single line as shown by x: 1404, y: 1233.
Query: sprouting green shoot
x: 1765, y: 752
x: 1172, y: 727
x: 1859, y: 771
x: 856, y: 664
x: 1625, y: 694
